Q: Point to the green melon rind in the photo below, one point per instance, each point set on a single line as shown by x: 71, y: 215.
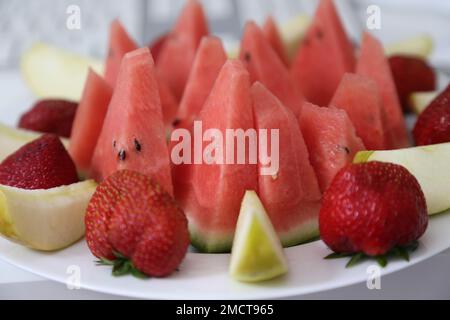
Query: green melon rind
x: 207, y: 243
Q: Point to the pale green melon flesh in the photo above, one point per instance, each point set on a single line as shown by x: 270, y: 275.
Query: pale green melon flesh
x: 257, y: 254
x: 45, y: 219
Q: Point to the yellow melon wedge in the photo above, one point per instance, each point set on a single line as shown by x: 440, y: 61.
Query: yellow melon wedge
x: 257, y: 253
x: 419, y: 46
x: 45, y: 220
x: 52, y: 72
x: 420, y: 100
x: 430, y: 166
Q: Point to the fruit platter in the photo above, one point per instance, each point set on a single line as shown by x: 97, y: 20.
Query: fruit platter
x: 289, y: 165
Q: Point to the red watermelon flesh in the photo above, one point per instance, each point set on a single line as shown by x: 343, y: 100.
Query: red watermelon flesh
x: 331, y: 140
x: 216, y: 190
x: 359, y: 96
x: 120, y: 43
x: 208, y: 61
x: 88, y: 121
x: 169, y: 102
x: 178, y: 52
x: 373, y: 63
x: 273, y: 35
x: 324, y: 56
x: 265, y: 66
x: 291, y: 196
x: 133, y: 135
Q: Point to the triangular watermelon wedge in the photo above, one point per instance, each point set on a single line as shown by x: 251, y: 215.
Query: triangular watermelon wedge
x: 178, y: 51
x: 324, y: 56
x: 265, y: 66
x: 373, y: 63
x: 291, y: 196
x: 88, y: 121
x: 358, y: 95
x: 213, y: 200
x: 273, y: 35
x: 208, y: 61
x: 331, y: 139
x: 133, y: 135
x: 120, y: 43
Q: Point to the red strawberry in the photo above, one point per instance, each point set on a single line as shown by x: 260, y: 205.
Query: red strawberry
x: 411, y: 74
x: 50, y: 116
x: 41, y: 164
x: 433, y: 124
x: 132, y: 221
x: 372, y: 208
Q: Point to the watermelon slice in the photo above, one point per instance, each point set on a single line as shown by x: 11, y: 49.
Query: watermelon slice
x: 133, y: 136
x: 120, y: 43
x: 291, y: 196
x: 273, y: 35
x: 213, y: 200
x: 169, y: 102
x: 359, y: 97
x: 323, y: 57
x: 88, y: 121
x: 331, y: 140
x: 208, y: 61
x: 178, y: 51
x: 373, y: 63
x: 265, y: 66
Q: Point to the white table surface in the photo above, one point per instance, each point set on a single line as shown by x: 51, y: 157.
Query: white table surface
x: 426, y: 280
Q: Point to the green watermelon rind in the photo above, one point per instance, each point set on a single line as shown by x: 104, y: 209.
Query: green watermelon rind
x: 308, y: 231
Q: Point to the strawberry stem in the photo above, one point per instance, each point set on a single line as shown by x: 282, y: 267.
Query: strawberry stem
x: 121, y: 266
x: 401, y: 252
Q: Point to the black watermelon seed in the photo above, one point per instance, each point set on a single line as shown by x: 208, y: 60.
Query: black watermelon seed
x: 247, y: 57
x: 176, y: 122
x: 122, y: 155
x: 114, y: 144
x: 319, y: 33
x: 137, y: 145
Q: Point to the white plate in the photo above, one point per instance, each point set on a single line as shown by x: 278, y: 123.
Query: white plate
x: 201, y: 276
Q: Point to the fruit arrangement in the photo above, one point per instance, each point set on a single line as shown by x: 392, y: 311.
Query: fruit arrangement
x: 346, y: 171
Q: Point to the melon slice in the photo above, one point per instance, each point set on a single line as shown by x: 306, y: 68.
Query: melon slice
x: 133, y: 135
x: 324, y: 56
x: 331, y: 140
x: 420, y: 100
x: 88, y: 121
x: 178, y: 51
x: 55, y: 73
x: 120, y: 43
x: 212, y: 202
x: 273, y: 35
x: 11, y: 139
x: 419, y: 46
x: 290, y: 195
x: 429, y: 164
x: 257, y: 254
x: 48, y: 219
x: 208, y: 61
x: 359, y: 97
x: 373, y: 63
x: 265, y: 66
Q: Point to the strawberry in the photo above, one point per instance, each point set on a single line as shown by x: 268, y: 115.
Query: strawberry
x: 433, y: 124
x: 41, y: 164
x: 372, y: 208
x: 411, y: 74
x: 50, y: 116
x: 136, y: 226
